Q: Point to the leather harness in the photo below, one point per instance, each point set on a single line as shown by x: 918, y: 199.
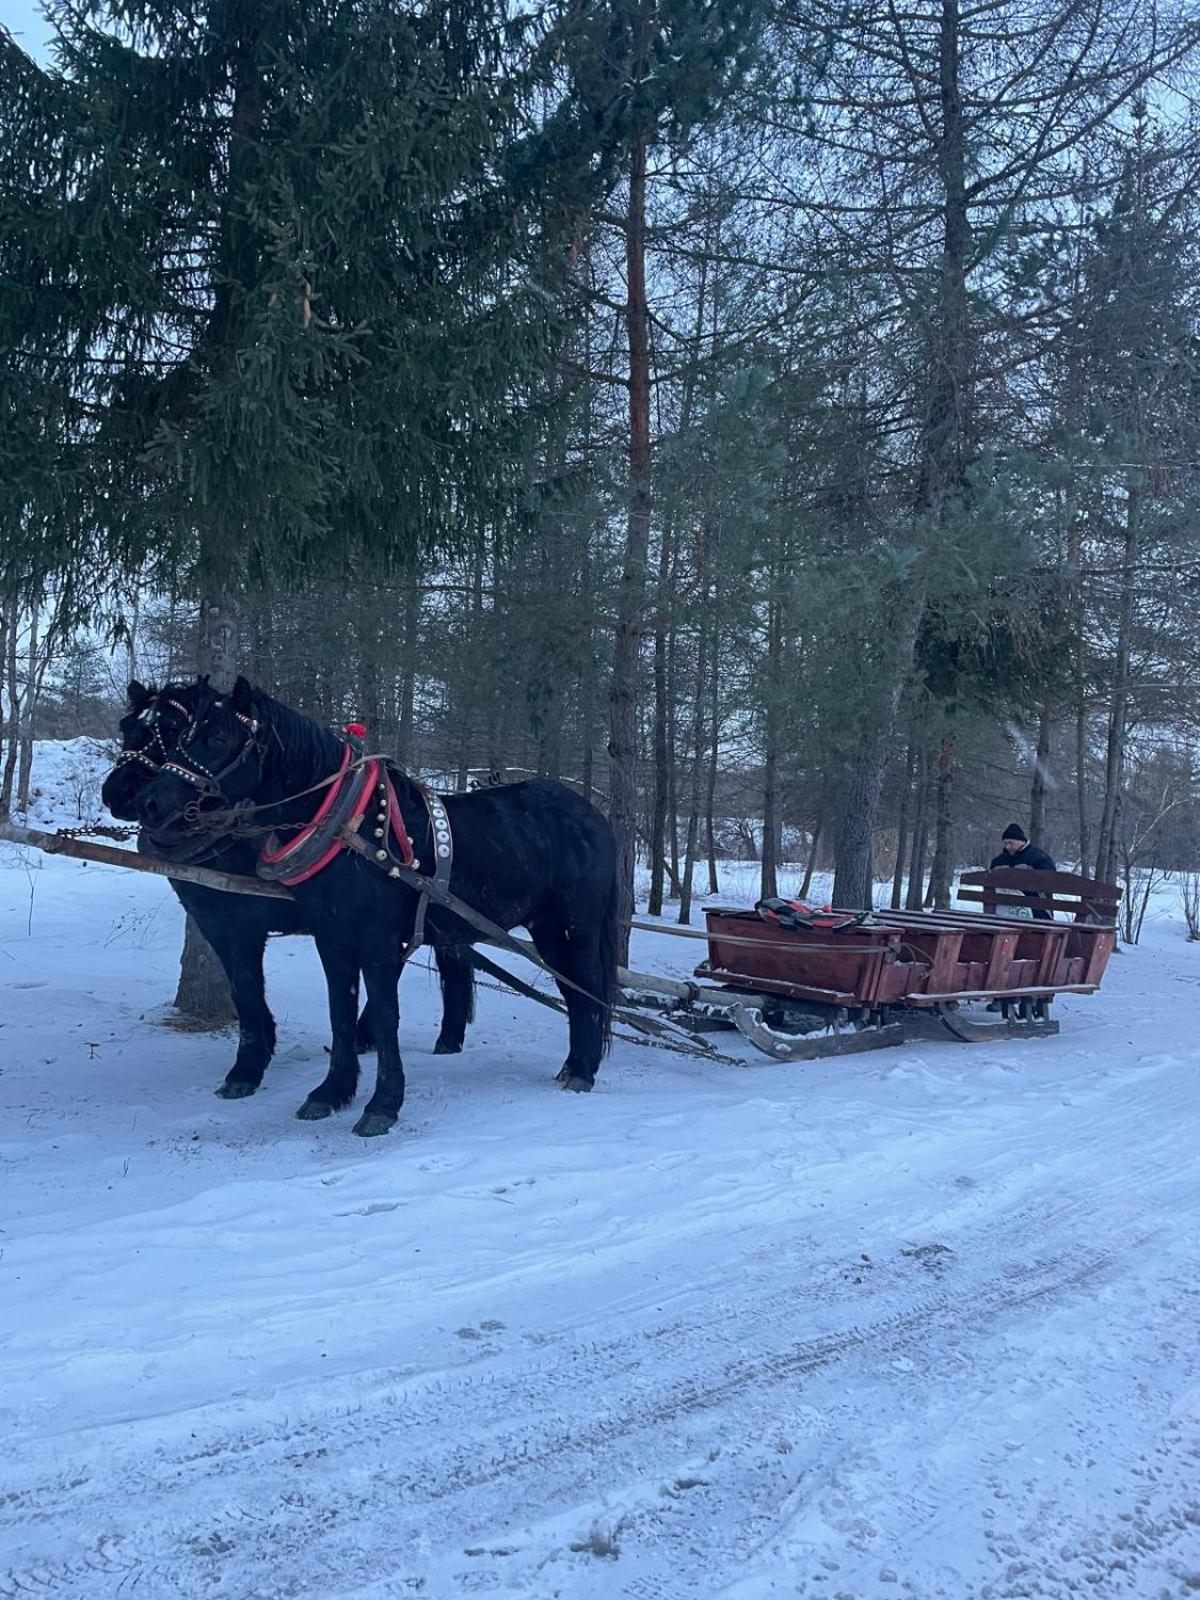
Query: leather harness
x: 358, y: 787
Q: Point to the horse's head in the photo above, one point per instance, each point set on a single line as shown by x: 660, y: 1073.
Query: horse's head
x: 215, y: 760
x: 152, y: 725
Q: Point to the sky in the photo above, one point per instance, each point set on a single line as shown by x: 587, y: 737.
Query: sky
x: 24, y: 20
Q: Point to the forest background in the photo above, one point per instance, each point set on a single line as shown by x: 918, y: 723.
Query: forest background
x: 780, y: 420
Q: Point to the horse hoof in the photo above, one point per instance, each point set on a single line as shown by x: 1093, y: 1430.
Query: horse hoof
x: 314, y: 1111
x: 373, y: 1123
x: 562, y: 1075
x: 574, y: 1084
x: 235, y: 1089
x: 445, y: 1048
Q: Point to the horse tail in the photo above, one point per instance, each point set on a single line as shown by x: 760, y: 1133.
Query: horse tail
x: 609, y: 949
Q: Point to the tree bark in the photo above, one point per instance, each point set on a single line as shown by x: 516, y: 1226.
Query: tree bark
x: 862, y: 781
x: 714, y: 751
x: 33, y: 681
x: 942, y: 871
x: 915, y: 894
x: 811, y: 864
x: 1114, y: 756
x: 203, y: 994
x: 631, y: 599
x: 698, y: 747
x: 219, y: 641
x: 1037, y: 788
x: 8, y: 677
x: 772, y: 819
x: 408, y: 674
x: 662, y: 724
x: 902, y: 829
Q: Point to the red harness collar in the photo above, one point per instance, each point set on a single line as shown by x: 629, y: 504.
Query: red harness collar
x: 323, y: 833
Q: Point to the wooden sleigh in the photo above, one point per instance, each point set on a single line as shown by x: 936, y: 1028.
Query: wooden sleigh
x: 900, y: 975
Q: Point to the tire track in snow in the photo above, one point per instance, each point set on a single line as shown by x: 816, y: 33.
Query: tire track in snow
x: 534, y: 1428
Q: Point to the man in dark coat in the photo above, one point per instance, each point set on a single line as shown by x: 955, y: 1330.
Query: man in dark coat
x: 1016, y: 851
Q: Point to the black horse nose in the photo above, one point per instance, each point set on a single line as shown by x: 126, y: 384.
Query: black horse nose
x: 151, y: 808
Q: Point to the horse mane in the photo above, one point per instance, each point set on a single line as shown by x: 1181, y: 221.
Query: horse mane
x: 297, y: 747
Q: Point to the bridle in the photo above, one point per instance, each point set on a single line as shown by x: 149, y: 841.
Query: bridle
x: 149, y: 718
x: 193, y: 771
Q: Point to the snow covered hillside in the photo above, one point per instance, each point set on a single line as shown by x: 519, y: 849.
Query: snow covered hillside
x: 917, y: 1323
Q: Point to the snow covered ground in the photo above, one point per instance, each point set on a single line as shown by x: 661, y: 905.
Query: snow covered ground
x: 920, y: 1322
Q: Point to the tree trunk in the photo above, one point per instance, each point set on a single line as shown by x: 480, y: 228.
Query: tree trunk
x: 941, y: 464
x: 219, y: 641
x: 698, y: 746
x: 1114, y: 758
x: 811, y: 865
x: 862, y: 781
x: 1037, y: 789
x: 1074, y: 557
x: 33, y: 681
x: 665, y: 800
x: 408, y: 674
x: 203, y: 995
x: 662, y: 725
x: 914, y: 897
x: 8, y: 671
x: 714, y: 750
x: 772, y: 819
x: 902, y: 828
x: 942, y: 871
x: 623, y: 725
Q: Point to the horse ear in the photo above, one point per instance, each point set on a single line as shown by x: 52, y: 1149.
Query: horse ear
x: 139, y: 694
x: 243, y: 696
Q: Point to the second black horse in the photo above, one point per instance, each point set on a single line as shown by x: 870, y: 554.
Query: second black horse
x: 531, y: 854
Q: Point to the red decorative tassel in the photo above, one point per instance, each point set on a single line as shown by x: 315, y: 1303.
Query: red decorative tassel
x: 357, y: 730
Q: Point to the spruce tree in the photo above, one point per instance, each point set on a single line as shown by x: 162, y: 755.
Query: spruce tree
x: 293, y: 268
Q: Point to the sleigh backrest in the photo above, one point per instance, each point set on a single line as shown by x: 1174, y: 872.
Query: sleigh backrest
x: 1082, y: 899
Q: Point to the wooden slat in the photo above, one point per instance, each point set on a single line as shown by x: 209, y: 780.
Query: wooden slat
x: 1016, y: 898
x: 792, y: 991
x: 1027, y: 993
x: 1052, y: 949
x: 945, y: 958
x: 1004, y: 948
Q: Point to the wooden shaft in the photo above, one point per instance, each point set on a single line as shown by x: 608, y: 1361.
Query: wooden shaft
x: 56, y: 844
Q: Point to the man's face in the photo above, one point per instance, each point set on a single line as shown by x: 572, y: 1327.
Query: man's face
x: 1011, y: 846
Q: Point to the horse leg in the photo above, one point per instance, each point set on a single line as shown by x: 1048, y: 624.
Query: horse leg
x: 381, y: 968
x: 457, y: 978
x: 241, y: 955
x: 340, y: 1082
x: 578, y: 1071
x: 364, y: 1033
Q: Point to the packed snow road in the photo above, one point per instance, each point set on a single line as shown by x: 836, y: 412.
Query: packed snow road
x: 917, y: 1322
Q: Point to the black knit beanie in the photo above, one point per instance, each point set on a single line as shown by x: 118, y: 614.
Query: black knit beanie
x: 1015, y: 831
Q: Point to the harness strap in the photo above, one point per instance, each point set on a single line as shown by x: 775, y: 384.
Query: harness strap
x: 493, y: 932
x: 315, y: 846
x: 443, y: 860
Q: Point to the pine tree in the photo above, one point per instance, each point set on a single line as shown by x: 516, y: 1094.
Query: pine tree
x: 294, y: 268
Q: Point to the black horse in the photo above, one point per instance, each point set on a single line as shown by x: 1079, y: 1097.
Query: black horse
x: 531, y: 854
x: 237, y: 925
